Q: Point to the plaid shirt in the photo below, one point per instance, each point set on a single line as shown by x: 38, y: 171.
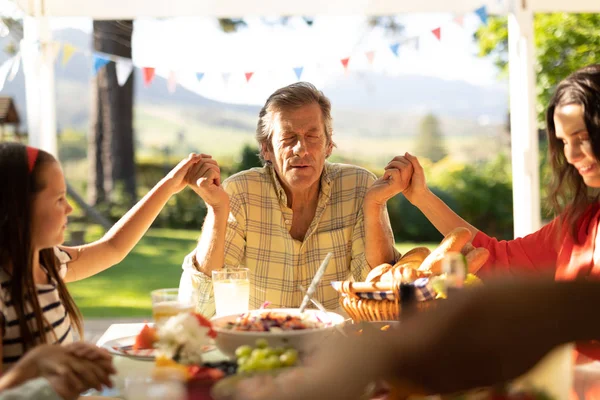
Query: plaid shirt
x: 258, y: 238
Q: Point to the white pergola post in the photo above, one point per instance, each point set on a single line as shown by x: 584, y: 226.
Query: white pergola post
x: 523, y: 121
x: 38, y: 66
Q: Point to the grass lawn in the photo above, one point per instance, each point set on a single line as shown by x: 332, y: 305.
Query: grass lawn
x: 124, y: 290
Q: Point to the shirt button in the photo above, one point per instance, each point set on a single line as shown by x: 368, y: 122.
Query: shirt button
x: 287, y: 221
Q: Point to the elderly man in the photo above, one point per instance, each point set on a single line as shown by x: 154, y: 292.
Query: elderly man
x: 281, y: 220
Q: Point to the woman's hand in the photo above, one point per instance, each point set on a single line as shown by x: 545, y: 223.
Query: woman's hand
x: 417, y: 187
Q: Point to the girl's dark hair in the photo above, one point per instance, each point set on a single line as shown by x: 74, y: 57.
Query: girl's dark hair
x: 569, y: 193
x: 19, y: 188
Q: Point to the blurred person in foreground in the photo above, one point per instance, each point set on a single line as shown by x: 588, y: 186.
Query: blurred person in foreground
x: 482, y: 336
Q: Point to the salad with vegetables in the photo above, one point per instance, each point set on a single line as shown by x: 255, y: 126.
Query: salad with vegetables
x: 272, y: 321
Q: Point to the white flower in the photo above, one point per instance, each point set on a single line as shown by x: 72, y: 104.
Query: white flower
x: 182, y: 338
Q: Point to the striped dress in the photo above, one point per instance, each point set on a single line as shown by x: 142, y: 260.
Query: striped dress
x: 52, y: 307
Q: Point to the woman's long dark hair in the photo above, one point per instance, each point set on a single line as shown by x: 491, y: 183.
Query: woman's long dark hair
x: 19, y: 188
x: 569, y: 194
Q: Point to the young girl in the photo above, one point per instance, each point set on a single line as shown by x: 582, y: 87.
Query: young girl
x: 33, y: 268
x: 569, y: 246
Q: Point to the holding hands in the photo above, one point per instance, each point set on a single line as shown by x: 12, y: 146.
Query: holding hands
x: 204, y: 177
x: 403, y: 174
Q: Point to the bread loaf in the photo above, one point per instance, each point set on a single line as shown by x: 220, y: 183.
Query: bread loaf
x: 375, y: 274
x: 454, y: 241
x: 476, y: 259
x: 417, y: 254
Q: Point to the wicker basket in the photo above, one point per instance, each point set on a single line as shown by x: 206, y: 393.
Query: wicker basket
x: 360, y: 309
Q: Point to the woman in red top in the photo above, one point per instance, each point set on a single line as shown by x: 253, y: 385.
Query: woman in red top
x: 569, y: 246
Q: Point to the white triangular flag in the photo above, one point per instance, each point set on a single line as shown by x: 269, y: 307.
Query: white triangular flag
x: 15, y: 67
x: 4, y: 70
x: 124, y: 68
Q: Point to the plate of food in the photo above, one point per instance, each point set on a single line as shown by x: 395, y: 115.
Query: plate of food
x: 142, y: 346
x: 281, y: 327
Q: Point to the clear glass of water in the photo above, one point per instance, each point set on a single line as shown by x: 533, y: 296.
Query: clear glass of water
x: 232, y: 291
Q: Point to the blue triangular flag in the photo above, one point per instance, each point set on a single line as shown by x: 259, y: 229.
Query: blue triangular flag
x: 394, y: 48
x: 99, y: 62
x: 482, y: 14
x: 199, y: 76
x: 298, y: 71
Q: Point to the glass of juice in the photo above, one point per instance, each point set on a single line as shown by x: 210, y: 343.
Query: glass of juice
x: 169, y: 302
x: 232, y: 291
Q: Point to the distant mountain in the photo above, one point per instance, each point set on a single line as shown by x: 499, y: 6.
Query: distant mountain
x: 365, y: 104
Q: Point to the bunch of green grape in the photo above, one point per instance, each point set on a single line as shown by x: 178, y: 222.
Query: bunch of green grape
x: 264, y: 358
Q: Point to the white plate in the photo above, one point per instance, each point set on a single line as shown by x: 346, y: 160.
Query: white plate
x: 124, y: 347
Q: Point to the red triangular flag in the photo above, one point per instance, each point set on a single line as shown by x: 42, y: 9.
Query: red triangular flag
x: 460, y: 20
x: 438, y: 33
x: 248, y: 76
x: 148, y: 73
x: 370, y: 56
x: 345, y: 62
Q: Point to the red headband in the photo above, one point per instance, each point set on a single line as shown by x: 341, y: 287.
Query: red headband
x: 32, y: 154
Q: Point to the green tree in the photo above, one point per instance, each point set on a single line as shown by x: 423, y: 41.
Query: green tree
x: 247, y: 159
x: 563, y: 44
x: 430, y: 143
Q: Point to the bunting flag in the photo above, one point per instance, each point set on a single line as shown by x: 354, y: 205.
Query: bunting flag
x: 309, y: 21
x: 99, y: 62
x: 14, y: 67
x: 482, y: 14
x: 226, y: 76
x: 298, y: 71
x: 148, y: 74
x: 4, y: 70
x: 344, y: 62
x: 67, y: 53
x: 172, y: 82
x: 124, y: 68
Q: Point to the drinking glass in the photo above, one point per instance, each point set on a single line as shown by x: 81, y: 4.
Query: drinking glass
x: 169, y: 302
x: 232, y: 291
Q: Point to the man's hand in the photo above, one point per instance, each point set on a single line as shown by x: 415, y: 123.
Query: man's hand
x: 205, y: 179
x: 396, y: 179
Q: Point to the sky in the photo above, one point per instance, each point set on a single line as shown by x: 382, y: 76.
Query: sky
x: 184, y: 46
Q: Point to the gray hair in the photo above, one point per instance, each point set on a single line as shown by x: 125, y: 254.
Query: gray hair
x: 291, y: 97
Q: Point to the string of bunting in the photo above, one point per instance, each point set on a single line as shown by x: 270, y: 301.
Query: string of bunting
x: 124, y: 66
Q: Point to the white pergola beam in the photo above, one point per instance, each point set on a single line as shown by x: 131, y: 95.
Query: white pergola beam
x: 568, y: 6
x: 523, y: 123
x: 38, y: 67
x: 132, y: 9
